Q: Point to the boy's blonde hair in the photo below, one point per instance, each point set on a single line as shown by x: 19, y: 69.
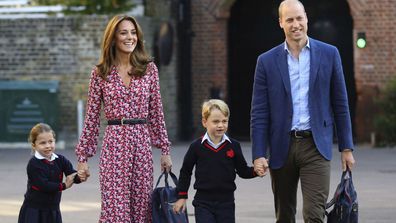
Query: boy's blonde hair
x: 211, y: 104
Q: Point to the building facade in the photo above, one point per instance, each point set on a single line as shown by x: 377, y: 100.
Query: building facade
x: 66, y: 49
x: 371, y: 67
x: 205, y: 49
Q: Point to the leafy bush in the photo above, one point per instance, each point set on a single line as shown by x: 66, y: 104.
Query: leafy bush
x: 385, y: 122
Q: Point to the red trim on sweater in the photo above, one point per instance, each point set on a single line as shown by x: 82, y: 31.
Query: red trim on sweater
x: 35, y: 188
x: 206, y: 144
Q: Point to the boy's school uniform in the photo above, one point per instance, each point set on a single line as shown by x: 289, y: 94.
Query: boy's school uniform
x: 44, y: 189
x: 215, y: 170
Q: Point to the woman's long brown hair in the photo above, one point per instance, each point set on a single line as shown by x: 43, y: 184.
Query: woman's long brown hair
x: 139, y: 57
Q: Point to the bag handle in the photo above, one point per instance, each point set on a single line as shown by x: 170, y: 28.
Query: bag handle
x: 173, y: 176
x: 346, y: 175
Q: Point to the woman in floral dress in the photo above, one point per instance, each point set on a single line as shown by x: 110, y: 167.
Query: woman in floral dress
x: 126, y: 82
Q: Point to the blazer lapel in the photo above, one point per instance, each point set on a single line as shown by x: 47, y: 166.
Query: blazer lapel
x: 283, y: 68
x: 314, y: 63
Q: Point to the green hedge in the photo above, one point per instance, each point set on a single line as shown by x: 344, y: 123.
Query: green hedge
x: 385, y: 122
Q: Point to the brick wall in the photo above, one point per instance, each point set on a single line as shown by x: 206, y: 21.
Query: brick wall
x: 375, y: 64
x: 209, y: 50
x: 66, y: 49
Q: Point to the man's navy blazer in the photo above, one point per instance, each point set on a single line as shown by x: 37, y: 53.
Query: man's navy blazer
x: 272, y: 109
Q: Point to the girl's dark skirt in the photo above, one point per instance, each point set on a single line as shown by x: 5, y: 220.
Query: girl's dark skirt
x: 37, y: 215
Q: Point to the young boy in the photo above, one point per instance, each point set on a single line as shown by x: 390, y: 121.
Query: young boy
x: 217, y: 158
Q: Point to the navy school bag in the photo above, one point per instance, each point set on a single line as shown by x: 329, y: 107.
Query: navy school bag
x: 163, y: 199
x: 344, y: 203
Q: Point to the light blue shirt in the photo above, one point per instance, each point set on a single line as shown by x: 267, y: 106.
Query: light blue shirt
x: 223, y: 139
x: 299, y: 81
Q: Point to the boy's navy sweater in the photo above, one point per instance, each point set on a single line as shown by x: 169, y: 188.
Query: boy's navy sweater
x: 44, y: 187
x: 215, y: 170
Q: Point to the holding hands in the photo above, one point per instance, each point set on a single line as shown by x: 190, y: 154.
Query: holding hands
x: 70, y: 180
x: 261, y: 166
x: 83, y: 171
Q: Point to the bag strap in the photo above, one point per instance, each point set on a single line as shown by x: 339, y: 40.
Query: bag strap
x: 173, y: 176
x: 159, y: 178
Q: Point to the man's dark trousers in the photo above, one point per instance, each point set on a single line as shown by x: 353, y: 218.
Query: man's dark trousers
x: 304, y: 162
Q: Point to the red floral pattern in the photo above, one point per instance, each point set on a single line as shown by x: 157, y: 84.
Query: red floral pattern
x: 126, y: 165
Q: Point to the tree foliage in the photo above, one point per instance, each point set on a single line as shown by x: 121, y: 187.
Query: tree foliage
x: 91, y: 7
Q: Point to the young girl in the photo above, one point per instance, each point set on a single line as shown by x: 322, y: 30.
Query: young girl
x: 45, y: 172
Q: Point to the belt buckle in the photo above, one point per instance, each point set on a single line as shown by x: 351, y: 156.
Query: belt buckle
x: 297, y: 136
x: 122, y: 121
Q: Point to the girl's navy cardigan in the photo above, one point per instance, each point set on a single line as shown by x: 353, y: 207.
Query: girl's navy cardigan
x: 45, y: 182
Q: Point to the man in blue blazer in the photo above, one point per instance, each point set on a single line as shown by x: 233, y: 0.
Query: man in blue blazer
x: 299, y: 95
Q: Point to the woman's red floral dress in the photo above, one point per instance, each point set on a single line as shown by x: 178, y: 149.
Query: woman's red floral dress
x: 126, y: 164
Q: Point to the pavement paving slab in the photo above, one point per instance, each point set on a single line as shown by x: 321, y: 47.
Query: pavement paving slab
x: 374, y: 178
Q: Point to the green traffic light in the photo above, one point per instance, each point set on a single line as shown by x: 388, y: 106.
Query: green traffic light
x: 361, y: 43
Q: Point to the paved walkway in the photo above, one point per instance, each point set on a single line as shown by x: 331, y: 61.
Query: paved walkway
x: 374, y: 178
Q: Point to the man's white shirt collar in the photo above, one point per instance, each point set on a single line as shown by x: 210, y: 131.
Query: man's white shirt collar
x: 40, y: 157
x: 206, y: 137
x: 307, y: 45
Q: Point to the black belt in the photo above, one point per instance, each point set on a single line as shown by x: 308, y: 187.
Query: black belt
x: 301, y: 134
x: 127, y: 121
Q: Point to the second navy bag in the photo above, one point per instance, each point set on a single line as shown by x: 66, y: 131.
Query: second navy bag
x: 163, y: 199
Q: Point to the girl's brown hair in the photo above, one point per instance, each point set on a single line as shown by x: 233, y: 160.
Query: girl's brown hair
x: 139, y: 58
x: 37, y: 130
